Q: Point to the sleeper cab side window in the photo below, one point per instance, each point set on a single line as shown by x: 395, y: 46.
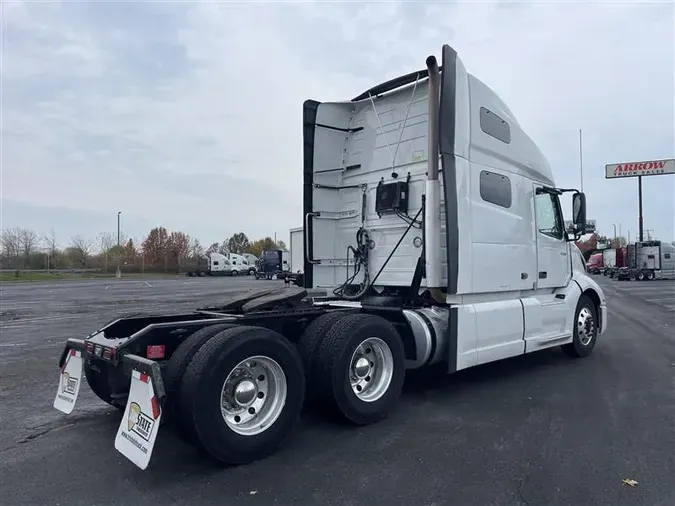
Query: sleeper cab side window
x: 215, y: 262
x: 494, y: 126
x: 667, y: 256
x: 548, y: 215
x: 495, y: 188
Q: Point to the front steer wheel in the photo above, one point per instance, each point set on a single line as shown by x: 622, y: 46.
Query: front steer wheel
x: 359, y: 368
x: 585, y: 329
x: 242, y: 393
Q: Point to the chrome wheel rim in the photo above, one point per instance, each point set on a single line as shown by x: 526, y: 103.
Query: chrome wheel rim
x: 253, y: 395
x: 585, y: 326
x: 371, y: 369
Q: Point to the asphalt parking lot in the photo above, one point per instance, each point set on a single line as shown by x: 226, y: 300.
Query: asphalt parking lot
x: 536, y: 430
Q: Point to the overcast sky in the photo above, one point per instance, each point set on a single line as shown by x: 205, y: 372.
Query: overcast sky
x: 189, y: 115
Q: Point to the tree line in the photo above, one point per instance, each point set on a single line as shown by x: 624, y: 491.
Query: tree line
x: 160, y: 250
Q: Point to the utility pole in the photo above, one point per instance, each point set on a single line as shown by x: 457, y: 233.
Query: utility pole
x: 640, y: 224
x: 118, y: 272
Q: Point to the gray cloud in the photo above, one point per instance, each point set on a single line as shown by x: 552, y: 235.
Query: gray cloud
x: 184, y: 114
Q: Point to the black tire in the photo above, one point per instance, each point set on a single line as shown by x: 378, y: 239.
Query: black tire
x: 98, y: 382
x: 640, y: 276
x: 201, y: 274
x: 650, y: 276
x: 200, y: 393
x: 234, y: 272
x: 309, y: 343
x: 175, y: 369
x: 333, y: 364
x: 577, y: 348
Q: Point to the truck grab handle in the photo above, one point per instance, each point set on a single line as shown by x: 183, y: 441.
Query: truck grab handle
x: 308, y: 216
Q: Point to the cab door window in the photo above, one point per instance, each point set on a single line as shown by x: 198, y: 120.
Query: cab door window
x: 549, y: 218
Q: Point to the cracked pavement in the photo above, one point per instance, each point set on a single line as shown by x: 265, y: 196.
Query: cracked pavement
x: 535, y: 430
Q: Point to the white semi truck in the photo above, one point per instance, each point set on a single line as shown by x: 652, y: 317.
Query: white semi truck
x: 648, y: 260
x: 434, y: 224
x: 211, y: 264
x: 218, y: 264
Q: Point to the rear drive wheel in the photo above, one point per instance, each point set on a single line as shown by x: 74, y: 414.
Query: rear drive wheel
x: 243, y: 392
x: 585, y: 329
x: 650, y: 276
x: 360, y: 368
x: 309, y: 342
x: 175, y: 369
x: 640, y: 276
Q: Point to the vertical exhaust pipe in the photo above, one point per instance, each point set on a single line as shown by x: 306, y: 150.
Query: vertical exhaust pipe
x: 432, y: 210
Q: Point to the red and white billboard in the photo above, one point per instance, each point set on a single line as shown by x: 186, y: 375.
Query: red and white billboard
x: 633, y: 169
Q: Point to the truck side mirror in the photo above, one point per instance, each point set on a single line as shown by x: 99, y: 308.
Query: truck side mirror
x: 579, y: 212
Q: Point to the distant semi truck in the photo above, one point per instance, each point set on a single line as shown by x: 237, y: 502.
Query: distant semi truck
x: 272, y: 264
x: 648, y: 260
x: 219, y: 264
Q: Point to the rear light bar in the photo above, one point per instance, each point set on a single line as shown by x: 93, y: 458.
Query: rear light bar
x: 100, y: 350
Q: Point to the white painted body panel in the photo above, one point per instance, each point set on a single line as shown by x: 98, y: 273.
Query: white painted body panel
x: 219, y: 263
x: 609, y: 258
x: 297, y: 246
x: 239, y: 263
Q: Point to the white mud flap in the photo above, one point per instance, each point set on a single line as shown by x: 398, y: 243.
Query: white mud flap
x: 69, y: 382
x: 138, y: 430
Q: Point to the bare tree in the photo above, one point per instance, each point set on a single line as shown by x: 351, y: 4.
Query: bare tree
x: 29, y: 241
x: 82, y: 248
x: 49, y: 242
x: 196, y: 248
x: 106, y: 241
x: 11, y: 242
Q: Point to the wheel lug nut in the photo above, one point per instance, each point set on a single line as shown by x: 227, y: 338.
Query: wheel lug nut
x: 251, y: 411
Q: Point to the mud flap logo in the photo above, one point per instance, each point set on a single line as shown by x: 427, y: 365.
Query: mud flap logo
x: 68, y: 384
x: 138, y: 422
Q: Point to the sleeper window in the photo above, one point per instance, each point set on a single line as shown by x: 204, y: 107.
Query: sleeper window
x: 548, y: 215
x: 495, y: 188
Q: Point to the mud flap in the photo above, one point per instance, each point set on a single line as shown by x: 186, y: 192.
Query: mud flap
x: 139, y: 426
x: 70, y: 377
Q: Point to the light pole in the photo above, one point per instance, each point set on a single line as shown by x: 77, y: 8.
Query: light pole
x: 118, y: 272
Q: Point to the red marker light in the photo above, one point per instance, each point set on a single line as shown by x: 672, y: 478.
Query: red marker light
x: 155, y: 351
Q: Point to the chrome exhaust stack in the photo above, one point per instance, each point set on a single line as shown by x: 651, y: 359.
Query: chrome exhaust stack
x: 432, y: 190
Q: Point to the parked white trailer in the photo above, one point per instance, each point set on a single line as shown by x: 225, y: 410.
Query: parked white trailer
x: 434, y: 224
x: 297, y: 250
